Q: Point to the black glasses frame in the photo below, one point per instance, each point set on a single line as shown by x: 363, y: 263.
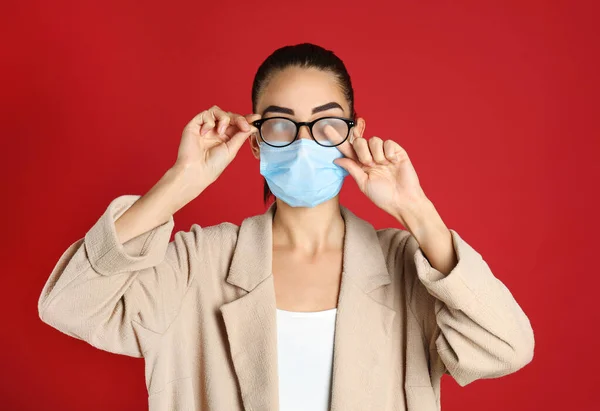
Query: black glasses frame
x: 309, y: 124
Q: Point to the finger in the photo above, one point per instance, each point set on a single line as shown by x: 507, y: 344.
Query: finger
x: 210, y: 119
x: 354, y: 169
x: 218, y: 113
x: 207, y: 122
x: 252, y: 117
x: 347, y: 148
x: 237, y: 123
x: 221, y: 118
x: 392, y: 150
x: 333, y: 137
x: 242, y: 123
x: 376, y: 147
x: 331, y: 134
x: 362, y: 151
x: 199, y: 119
x: 237, y: 140
x: 223, y: 124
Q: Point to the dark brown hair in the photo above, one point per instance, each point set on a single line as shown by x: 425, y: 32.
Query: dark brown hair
x: 304, y: 55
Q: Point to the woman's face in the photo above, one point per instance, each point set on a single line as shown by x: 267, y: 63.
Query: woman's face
x: 303, y: 94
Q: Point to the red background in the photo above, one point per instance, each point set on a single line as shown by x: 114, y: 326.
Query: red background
x: 495, y: 103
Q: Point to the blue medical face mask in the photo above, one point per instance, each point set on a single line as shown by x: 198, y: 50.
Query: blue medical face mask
x: 302, y: 174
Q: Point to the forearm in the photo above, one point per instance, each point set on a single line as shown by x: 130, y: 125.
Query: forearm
x: 154, y: 208
x: 434, y: 238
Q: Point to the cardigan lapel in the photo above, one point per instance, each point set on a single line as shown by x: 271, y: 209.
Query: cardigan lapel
x: 363, y: 326
x: 251, y: 319
x: 362, y: 344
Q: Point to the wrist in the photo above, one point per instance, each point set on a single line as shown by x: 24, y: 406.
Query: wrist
x: 178, y: 186
x: 422, y: 219
x: 413, y: 209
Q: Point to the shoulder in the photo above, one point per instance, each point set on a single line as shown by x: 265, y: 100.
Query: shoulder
x: 219, y: 236
x: 222, y: 232
x: 206, y: 248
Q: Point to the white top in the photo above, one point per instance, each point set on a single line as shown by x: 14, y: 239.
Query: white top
x: 305, y: 359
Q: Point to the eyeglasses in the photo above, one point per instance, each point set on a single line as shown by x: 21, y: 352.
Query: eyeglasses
x: 283, y: 131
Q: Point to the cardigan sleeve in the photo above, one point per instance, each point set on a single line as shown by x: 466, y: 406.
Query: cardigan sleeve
x: 474, y: 327
x: 119, y: 297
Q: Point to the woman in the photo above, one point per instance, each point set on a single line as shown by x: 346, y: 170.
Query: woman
x: 304, y: 307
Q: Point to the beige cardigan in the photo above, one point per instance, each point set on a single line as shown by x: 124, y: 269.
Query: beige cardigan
x: 201, y: 311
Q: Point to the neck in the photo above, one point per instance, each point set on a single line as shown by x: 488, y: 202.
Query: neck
x: 309, y: 230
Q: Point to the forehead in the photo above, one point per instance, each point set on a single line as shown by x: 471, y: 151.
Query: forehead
x: 301, y: 89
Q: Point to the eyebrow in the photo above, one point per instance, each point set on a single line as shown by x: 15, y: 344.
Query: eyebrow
x: 285, y: 110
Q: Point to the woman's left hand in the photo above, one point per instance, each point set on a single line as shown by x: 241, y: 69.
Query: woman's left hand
x: 384, y: 174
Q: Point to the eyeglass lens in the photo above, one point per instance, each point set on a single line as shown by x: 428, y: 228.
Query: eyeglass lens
x: 327, y: 131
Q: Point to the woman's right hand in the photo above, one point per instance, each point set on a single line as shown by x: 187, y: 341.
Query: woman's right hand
x: 210, y: 141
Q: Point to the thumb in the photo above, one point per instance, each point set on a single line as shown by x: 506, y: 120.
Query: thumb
x: 237, y: 140
x: 354, y: 169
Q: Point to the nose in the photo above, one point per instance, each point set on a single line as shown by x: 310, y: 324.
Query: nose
x: 304, y: 132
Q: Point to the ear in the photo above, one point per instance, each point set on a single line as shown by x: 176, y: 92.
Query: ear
x: 254, y: 146
x: 359, y: 127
